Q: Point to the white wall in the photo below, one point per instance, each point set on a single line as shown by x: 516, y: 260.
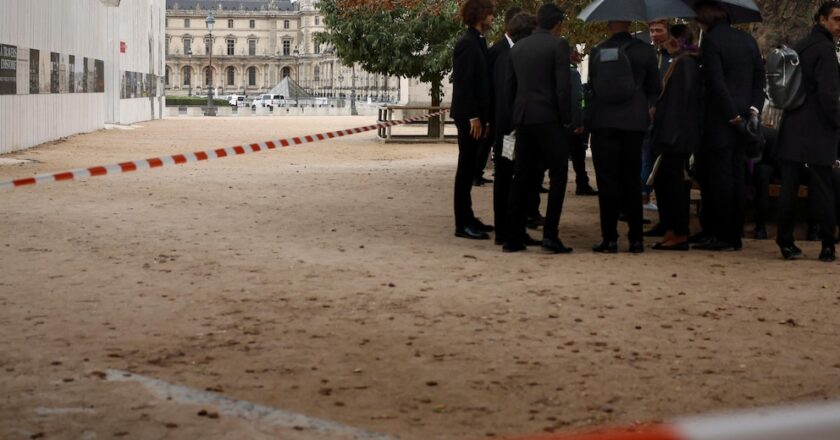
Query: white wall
x: 85, y: 29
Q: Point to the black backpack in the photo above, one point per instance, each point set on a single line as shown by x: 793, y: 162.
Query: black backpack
x: 614, y: 81
x: 784, y: 79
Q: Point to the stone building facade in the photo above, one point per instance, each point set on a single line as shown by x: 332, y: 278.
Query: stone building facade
x: 255, y: 44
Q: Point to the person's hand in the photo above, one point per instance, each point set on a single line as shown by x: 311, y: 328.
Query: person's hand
x: 475, y: 128
x: 737, y: 120
x: 486, y: 133
x: 579, y: 130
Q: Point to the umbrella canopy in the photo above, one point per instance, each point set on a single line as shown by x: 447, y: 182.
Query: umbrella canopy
x: 740, y: 11
x: 635, y: 10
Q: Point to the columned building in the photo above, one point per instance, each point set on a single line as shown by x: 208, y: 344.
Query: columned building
x: 255, y: 44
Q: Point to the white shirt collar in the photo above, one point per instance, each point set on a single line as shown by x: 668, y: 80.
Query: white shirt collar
x: 510, y: 42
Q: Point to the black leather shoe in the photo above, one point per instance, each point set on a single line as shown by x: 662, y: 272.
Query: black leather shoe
x: 791, y: 252
x: 555, y: 246
x: 585, y: 191
x: 700, y: 237
x: 637, y: 247
x: 760, y: 233
x: 717, y: 245
x: 656, y: 231
x: 478, y: 225
x: 471, y: 233
x: 513, y: 247
x: 828, y: 254
x: 606, y: 247
x: 530, y: 241
x: 813, y: 233
x: 674, y: 247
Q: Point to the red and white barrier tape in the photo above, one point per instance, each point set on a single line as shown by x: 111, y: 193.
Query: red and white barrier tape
x: 805, y: 422
x: 178, y: 159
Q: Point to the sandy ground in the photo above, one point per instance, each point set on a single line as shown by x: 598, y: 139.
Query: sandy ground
x: 324, y: 280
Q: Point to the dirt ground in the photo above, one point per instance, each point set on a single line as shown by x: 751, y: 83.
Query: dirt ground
x: 325, y: 281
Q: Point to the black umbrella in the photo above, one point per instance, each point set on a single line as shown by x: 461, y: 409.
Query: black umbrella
x: 739, y: 11
x: 635, y: 10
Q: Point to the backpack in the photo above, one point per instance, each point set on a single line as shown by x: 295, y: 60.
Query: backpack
x: 614, y: 82
x: 784, y: 79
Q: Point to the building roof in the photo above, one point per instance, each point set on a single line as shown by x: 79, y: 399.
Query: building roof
x: 233, y: 5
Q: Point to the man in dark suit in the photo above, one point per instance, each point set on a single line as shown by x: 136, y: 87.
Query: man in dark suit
x: 734, y: 78
x: 539, y: 88
x: 619, y: 121
x: 471, y: 99
x: 809, y: 134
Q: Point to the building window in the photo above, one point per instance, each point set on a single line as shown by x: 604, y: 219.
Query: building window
x: 287, y: 47
x: 285, y: 24
x: 208, y: 76
x: 252, y: 47
x: 166, y: 79
x: 166, y: 22
x: 207, y: 46
x: 317, y: 48
x: 252, y: 76
x: 186, y: 22
x: 286, y: 72
x: 187, y: 74
x: 252, y: 24
x: 317, y: 21
x: 231, y: 74
x: 317, y: 73
x: 230, y: 24
x: 231, y: 46
x: 187, y: 46
x: 167, y: 46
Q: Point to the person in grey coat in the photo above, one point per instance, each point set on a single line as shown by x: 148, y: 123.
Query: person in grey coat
x: 810, y: 134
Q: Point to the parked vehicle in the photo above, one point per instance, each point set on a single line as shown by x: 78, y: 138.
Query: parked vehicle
x: 236, y: 100
x: 267, y: 100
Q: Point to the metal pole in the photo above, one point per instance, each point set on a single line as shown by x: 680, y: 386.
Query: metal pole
x: 353, y: 110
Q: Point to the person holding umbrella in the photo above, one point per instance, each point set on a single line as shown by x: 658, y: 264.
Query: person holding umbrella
x: 734, y: 78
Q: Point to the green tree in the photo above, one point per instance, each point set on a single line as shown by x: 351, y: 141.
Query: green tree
x: 409, y: 38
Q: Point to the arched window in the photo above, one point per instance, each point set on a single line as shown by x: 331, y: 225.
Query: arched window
x: 231, y: 74
x: 187, y: 75
x: 286, y: 72
x: 317, y: 73
x: 252, y: 76
x: 208, y: 76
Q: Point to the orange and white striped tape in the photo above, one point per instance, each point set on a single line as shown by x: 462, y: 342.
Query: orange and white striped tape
x: 178, y: 159
x: 803, y: 422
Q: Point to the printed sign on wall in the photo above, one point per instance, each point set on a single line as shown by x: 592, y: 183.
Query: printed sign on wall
x: 34, y: 68
x: 8, y: 70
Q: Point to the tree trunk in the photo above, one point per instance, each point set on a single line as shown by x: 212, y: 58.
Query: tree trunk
x: 434, y: 122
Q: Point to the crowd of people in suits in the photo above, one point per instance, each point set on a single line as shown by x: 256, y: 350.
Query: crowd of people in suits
x: 663, y: 116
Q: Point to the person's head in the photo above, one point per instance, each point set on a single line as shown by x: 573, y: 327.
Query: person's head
x: 709, y: 13
x: 513, y: 11
x: 681, y: 40
x: 616, y: 27
x: 477, y: 14
x: 550, y: 17
x: 658, y: 32
x: 521, y: 25
x: 576, y: 57
x: 828, y: 16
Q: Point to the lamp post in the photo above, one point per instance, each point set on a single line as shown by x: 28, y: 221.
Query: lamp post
x: 189, y: 78
x: 297, y: 76
x: 353, y: 110
x: 211, y: 110
x: 340, y: 87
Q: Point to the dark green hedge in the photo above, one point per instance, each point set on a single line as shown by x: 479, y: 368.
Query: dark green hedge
x: 192, y: 101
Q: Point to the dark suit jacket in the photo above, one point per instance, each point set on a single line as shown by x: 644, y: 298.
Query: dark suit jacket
x: 811, y: 133
x: 679, y: 111
x: 734, y: 82
x: 471, y: 92
x: 538, y: 85
x: 499, y: 58
x: 631, y: 115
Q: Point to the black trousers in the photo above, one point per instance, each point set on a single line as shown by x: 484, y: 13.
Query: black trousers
x: 707, y: 202
x: 617, y: 155
x: 577, y: 152
x: 763, y: 174
x: 502, y: 182
x: 467, y: 150
x: 481, y: 156
x: 673, y: 193
x: 538, y: 146
x: 727, y: 189
x: 820, y: 190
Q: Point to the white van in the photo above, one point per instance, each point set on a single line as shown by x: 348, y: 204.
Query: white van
x: 267, y: 100
x: 236, y: 100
